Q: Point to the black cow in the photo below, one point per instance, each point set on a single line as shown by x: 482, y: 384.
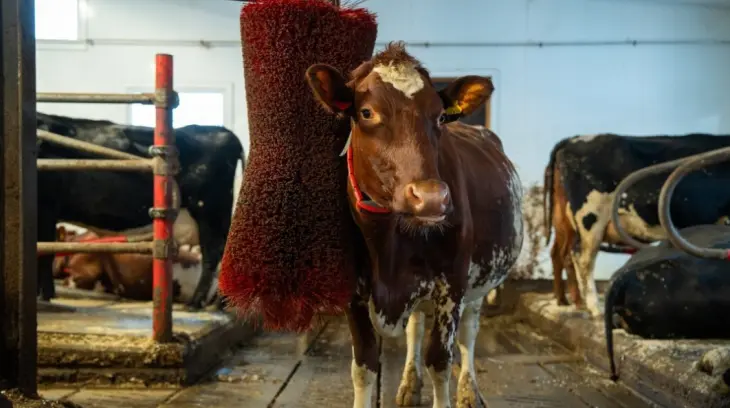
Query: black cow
x: 665, y: 293
x: 120, y: 200
x: 590, y: 168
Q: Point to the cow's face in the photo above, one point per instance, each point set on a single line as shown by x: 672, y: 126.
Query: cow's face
x: 397, y: 119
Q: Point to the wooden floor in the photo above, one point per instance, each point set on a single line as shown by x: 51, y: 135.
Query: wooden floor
x: 516, y: 368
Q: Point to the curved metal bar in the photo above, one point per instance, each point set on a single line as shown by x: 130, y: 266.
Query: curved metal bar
x: 629, y: 181
x: 693, y: 163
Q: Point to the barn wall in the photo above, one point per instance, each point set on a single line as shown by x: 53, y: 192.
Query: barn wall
x: 577, y: 82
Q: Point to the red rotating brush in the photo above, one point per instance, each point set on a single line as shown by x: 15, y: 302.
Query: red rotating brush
x: 288, y: 254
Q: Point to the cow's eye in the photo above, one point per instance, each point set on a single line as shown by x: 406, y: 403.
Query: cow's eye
x: 366, y: 114
x: 442, y: 119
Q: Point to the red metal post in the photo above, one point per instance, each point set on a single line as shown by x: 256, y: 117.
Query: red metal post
x: 164, y: 139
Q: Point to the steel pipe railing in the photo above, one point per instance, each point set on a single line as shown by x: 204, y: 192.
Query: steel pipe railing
x: 166, y: 195
x: 691, y: 164
x: 73, y: 97
x: 623, y: 187
x: 84, y: 146
x: 94, y: 164
x: 45, y: 248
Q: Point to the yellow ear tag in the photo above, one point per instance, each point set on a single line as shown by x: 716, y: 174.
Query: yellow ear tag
x: 453, y: 110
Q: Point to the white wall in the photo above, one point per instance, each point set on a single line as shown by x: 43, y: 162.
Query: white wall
x: 543, y: 93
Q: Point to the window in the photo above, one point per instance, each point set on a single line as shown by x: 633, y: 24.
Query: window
x: 479, y: 117
x: 195, y: 108
x: 57, y: 20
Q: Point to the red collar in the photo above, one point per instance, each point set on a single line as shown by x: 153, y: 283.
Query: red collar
x: 363, y: 205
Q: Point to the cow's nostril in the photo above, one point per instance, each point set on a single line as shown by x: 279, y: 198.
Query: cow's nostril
x: 445, y: 197
x: 429, y: 198
x: 414, y: 196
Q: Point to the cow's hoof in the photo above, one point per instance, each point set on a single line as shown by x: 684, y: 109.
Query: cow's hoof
x: 409, y: 391
x: 468, y: 395
x: 562, y: 301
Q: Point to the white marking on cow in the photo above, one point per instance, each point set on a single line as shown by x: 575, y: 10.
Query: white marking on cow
x: 468, y: 330
x: 599, y: 204
x: 409, y: 391
x: 637, y: 227
x: 387, y: 328
x: 498, y: 271
x: 440, y: 380
x: 362, y: 380
x: 403, y: 77
x: 516, y: 194
x: 584, y: 138
x: 187, y: 276
x: 445, y: 313
x: 381, y: 323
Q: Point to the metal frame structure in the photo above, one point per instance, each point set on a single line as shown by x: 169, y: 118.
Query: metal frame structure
x: 693, y: 163
x: 629, y: 181
x: 681, y: 168
x: 164, y: 166
x: 18, y: 199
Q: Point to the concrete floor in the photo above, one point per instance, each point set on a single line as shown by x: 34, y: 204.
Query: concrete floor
x: 516, y: 368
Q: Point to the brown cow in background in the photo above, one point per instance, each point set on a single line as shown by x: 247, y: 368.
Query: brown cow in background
x: 130, y: 275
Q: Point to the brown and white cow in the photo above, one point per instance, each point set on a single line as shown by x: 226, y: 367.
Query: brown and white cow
x: 130, y: 275
x: 439, y: 208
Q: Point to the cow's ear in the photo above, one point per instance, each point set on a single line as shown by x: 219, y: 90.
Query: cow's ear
x: 330, y: 88
x: 465, y: 95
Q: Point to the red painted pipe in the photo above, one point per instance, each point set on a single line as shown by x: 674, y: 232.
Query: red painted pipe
x: 162, y: 199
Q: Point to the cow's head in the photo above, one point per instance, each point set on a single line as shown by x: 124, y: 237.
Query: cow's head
x: 397, y: 120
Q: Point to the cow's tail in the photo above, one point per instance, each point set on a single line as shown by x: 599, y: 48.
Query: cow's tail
x: 615, y: 288
x: 547, y: 190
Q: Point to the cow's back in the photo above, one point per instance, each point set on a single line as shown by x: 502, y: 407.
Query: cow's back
x: 119, y: 200
x: 591, y: 164
x: 606, y: 159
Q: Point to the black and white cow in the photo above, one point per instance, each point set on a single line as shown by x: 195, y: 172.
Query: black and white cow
x: 591, y: 167
x: 117, y: 201
x: 663, y: 292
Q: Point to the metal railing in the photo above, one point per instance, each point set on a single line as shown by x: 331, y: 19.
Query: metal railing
x: 624, y: 186
x: 164, y: 166
x: 689, y: 165
x: 682, y: 167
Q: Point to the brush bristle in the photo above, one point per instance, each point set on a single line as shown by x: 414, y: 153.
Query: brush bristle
x: 288, y: 254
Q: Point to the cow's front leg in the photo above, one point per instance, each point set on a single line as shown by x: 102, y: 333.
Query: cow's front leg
x: 409, y: 391
x: 364, y: 353
x: 439, y: 354
x: 467, y: 392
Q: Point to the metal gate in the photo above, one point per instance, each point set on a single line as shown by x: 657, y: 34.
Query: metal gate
x: 164, y: 166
